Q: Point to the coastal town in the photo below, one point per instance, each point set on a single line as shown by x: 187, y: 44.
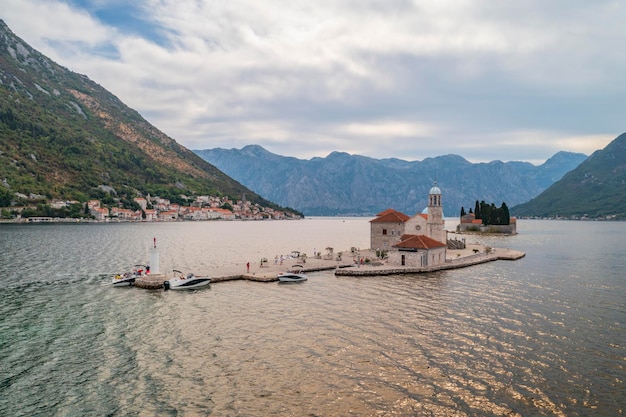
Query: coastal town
x: 153, y: 209
x: 202, y: 208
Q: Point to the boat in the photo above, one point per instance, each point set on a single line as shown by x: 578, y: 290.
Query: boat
x: 294, y: 275
x: 185, y: 282
x: 128, y: 278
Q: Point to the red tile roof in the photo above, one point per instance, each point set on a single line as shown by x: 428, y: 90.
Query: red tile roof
x: 418, y: 242
x: 389, y: 210
x: 390, y: 216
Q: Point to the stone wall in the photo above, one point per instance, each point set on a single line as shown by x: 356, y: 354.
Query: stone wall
x: 418, y: 259
x: 378, y: 240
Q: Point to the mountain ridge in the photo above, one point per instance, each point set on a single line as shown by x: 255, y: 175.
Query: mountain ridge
x: 64, y: 136
x: 344, y: 184
x: 594, y: 189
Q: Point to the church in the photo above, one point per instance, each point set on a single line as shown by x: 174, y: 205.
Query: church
x: 417, y: 241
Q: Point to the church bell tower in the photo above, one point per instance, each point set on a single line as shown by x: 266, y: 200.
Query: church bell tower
x: 435, y: 214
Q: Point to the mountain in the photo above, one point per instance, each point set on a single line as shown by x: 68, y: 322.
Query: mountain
x: 595, y: 189
x: 344, y: 184
x: 64, y: 136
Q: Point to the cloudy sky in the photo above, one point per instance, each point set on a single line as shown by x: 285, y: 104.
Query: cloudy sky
x: 410, y: 79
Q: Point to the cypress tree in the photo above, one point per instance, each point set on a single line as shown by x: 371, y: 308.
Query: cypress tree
x: 490, y: 214
x: 506, y: 216
x: 484, y: 211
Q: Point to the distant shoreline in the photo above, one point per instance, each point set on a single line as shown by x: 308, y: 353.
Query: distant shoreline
x: 61, y: 220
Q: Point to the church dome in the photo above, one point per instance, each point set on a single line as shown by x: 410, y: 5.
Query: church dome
x: 435, y: 189
x: 425, y: 211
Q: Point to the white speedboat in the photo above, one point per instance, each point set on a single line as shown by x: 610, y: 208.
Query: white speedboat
x: 295, y: 275
x: 128, y: 278
x: 185, y: 282
x: 291, y: 277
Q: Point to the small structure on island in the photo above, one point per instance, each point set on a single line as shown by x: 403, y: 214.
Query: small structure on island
x: 420, y: 240
x: 152, y: 279
x: 487, y: 218
x: 154, y: 259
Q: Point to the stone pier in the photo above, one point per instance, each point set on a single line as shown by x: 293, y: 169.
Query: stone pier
x: 150, y: 282
x: 346, y: 267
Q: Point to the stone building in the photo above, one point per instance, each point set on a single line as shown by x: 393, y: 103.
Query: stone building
x: 386, y: 229
x: 419, y: 240
x: 418, y: 251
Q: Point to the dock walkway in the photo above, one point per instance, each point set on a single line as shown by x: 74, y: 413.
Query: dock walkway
x: 269, y: 272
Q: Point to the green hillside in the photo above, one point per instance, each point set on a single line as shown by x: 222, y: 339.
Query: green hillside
x: 64, y: 136
x: 595, y: 189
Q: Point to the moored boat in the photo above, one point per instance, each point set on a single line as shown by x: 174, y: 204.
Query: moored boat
x: 128, y: 278
x: 294, y: 275
x: 185, y: 282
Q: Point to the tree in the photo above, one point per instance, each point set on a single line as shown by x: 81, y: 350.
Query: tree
x: 462, y: 211
x: 477, y: 212
x: 483, y: 210
x: 492, y: 215
x: 75, y: 210
x: 5, y: 197
x: 506, y: 215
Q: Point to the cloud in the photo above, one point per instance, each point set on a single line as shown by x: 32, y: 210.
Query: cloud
x: 505, y: 80
x: 388, y: 129
x: 72, y: 31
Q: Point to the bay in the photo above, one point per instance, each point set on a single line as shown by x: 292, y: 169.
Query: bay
x: 542, y: 336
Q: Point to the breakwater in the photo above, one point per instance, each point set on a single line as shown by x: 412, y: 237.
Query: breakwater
x: 346, y: 268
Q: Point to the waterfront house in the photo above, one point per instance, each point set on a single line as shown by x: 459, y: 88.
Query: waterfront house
x: 219, y: 213
x: 151, y: 215
x: 142, y: 202
x: 99, y: 213
x: 168, y: 215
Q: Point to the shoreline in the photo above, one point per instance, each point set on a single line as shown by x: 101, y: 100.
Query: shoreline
x: 473, y: 254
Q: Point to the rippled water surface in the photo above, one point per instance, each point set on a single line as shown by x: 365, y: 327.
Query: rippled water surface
x: 542, y: 336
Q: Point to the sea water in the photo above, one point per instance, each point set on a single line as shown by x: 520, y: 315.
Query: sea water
x: 541, y: 336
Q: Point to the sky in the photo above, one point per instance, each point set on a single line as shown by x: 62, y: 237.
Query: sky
x: 515, y: 80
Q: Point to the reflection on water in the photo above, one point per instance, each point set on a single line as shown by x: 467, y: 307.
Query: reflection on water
x: 541, y: 336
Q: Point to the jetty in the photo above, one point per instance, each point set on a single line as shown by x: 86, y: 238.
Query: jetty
x: 153, y: 282
x: 150, y: 282
x: 361, y: 264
